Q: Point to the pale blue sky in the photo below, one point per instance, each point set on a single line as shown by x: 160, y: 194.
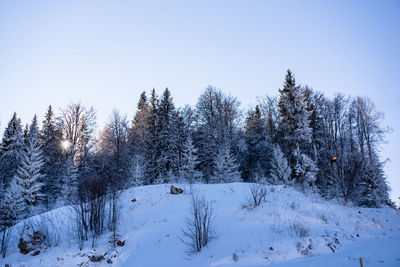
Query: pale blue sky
x: 104, y: 53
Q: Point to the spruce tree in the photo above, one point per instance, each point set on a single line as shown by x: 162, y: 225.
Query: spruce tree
x: 53, y: 159
x: 29, y: 177
x: 167, y: 116
x: 280, y: 172
x: 12, y: 147
x: 226, y: 168
x: 256, y: 146
x: 10, y: 209
x: 189, y: 163
x: 152, y: 145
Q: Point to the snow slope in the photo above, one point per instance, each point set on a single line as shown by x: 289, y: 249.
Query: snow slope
x: 286, y: 226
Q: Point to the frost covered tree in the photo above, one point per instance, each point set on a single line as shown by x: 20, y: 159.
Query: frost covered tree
x: 53, y: 159
x: 70, y: 182
x: 226, y: 168
x: 167, y: 116
x: 280, y: 172
x: 305, y: 170
x: 139, y: 132
x: 137, y: 170
x: 189, y: 162
x: 10, y: 209
x: 78, y: 124
x: 256, y: 146
x: 152, y: 142
x: 29, y: 177
x: 12, y: 149
x: 218, y: 117
x: 294, y: 124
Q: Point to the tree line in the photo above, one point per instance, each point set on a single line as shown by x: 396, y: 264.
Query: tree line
x: 300, y: 138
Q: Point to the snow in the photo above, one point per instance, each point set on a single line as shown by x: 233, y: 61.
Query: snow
x: 260, y: 236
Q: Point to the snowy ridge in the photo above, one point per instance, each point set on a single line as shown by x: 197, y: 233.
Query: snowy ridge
x: 289, y: 228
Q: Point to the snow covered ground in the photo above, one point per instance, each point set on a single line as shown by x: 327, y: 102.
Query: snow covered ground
x: 288, y: 229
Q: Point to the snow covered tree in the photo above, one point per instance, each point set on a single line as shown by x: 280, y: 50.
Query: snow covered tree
x: 153, y: 140
x: 189, y: 162
x: 12, y: 147
x: 10, y: 208
x: 29, y: 177
x: 217, y: 122
x: 53, y: 159
x: 114, y: 147
x: 226, y: 168
x: 280, y: 172
x: 70, y: 182
x: 139, y: 132
x: 167, y: 117
x: 137, y: 171
x: 78, y: 124
x: 294, y: 124
x: 256, y: 146
x: 305, y: 170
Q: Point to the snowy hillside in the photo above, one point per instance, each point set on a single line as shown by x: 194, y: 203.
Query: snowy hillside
x: 289, y: 228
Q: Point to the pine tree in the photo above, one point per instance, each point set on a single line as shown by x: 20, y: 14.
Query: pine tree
x: 139, y: 132
x: 138, y: 171
x: 152, y: 144
x: 256, y: 146
x: 167, y: 162
x: 226, y: 169
x: 50, y: 140
x: 10, y: 209
x: 295, y: 130
x: 305, y: 170
x: 280, y: 172
x: 189, y: 162
x: 29, y: 177
x: 295, y: 123
x: 12, y: 147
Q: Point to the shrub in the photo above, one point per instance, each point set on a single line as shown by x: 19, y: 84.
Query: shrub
x: 258, y: 192
x: 198, y: 230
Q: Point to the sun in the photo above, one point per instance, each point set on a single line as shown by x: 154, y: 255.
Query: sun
x: 65, y: 144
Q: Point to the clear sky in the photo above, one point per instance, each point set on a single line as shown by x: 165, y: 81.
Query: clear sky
x: 104, y: 53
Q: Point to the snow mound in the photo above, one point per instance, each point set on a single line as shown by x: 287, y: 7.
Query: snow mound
x: 288, y: 229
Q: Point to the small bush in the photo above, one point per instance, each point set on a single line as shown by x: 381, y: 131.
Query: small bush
x: 299, y: 229
x: 199, y: 225
x: 235, y: 257
x: 258, y: 192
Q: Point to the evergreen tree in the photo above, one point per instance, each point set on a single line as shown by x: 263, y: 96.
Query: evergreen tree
x: 305, y: 170
x: 53, y: 159
x: 139, y: 133
x: 256, y: 146
x: 189, y: 162
x: 138, y: 170
x: 167, y: 162
x: 226, y: 169
x: 29, y: 177
x: 295, y: 124
x: 10, y: 208
x: 295, y: 131
x: 12, y: 147
x: 153, y: 151
x: 280, y: 172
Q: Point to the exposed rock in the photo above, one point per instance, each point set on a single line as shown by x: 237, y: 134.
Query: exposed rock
x: 176, y: 190
x: 121, y: 243
x: 95, y: 258
x: 32, y: 242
